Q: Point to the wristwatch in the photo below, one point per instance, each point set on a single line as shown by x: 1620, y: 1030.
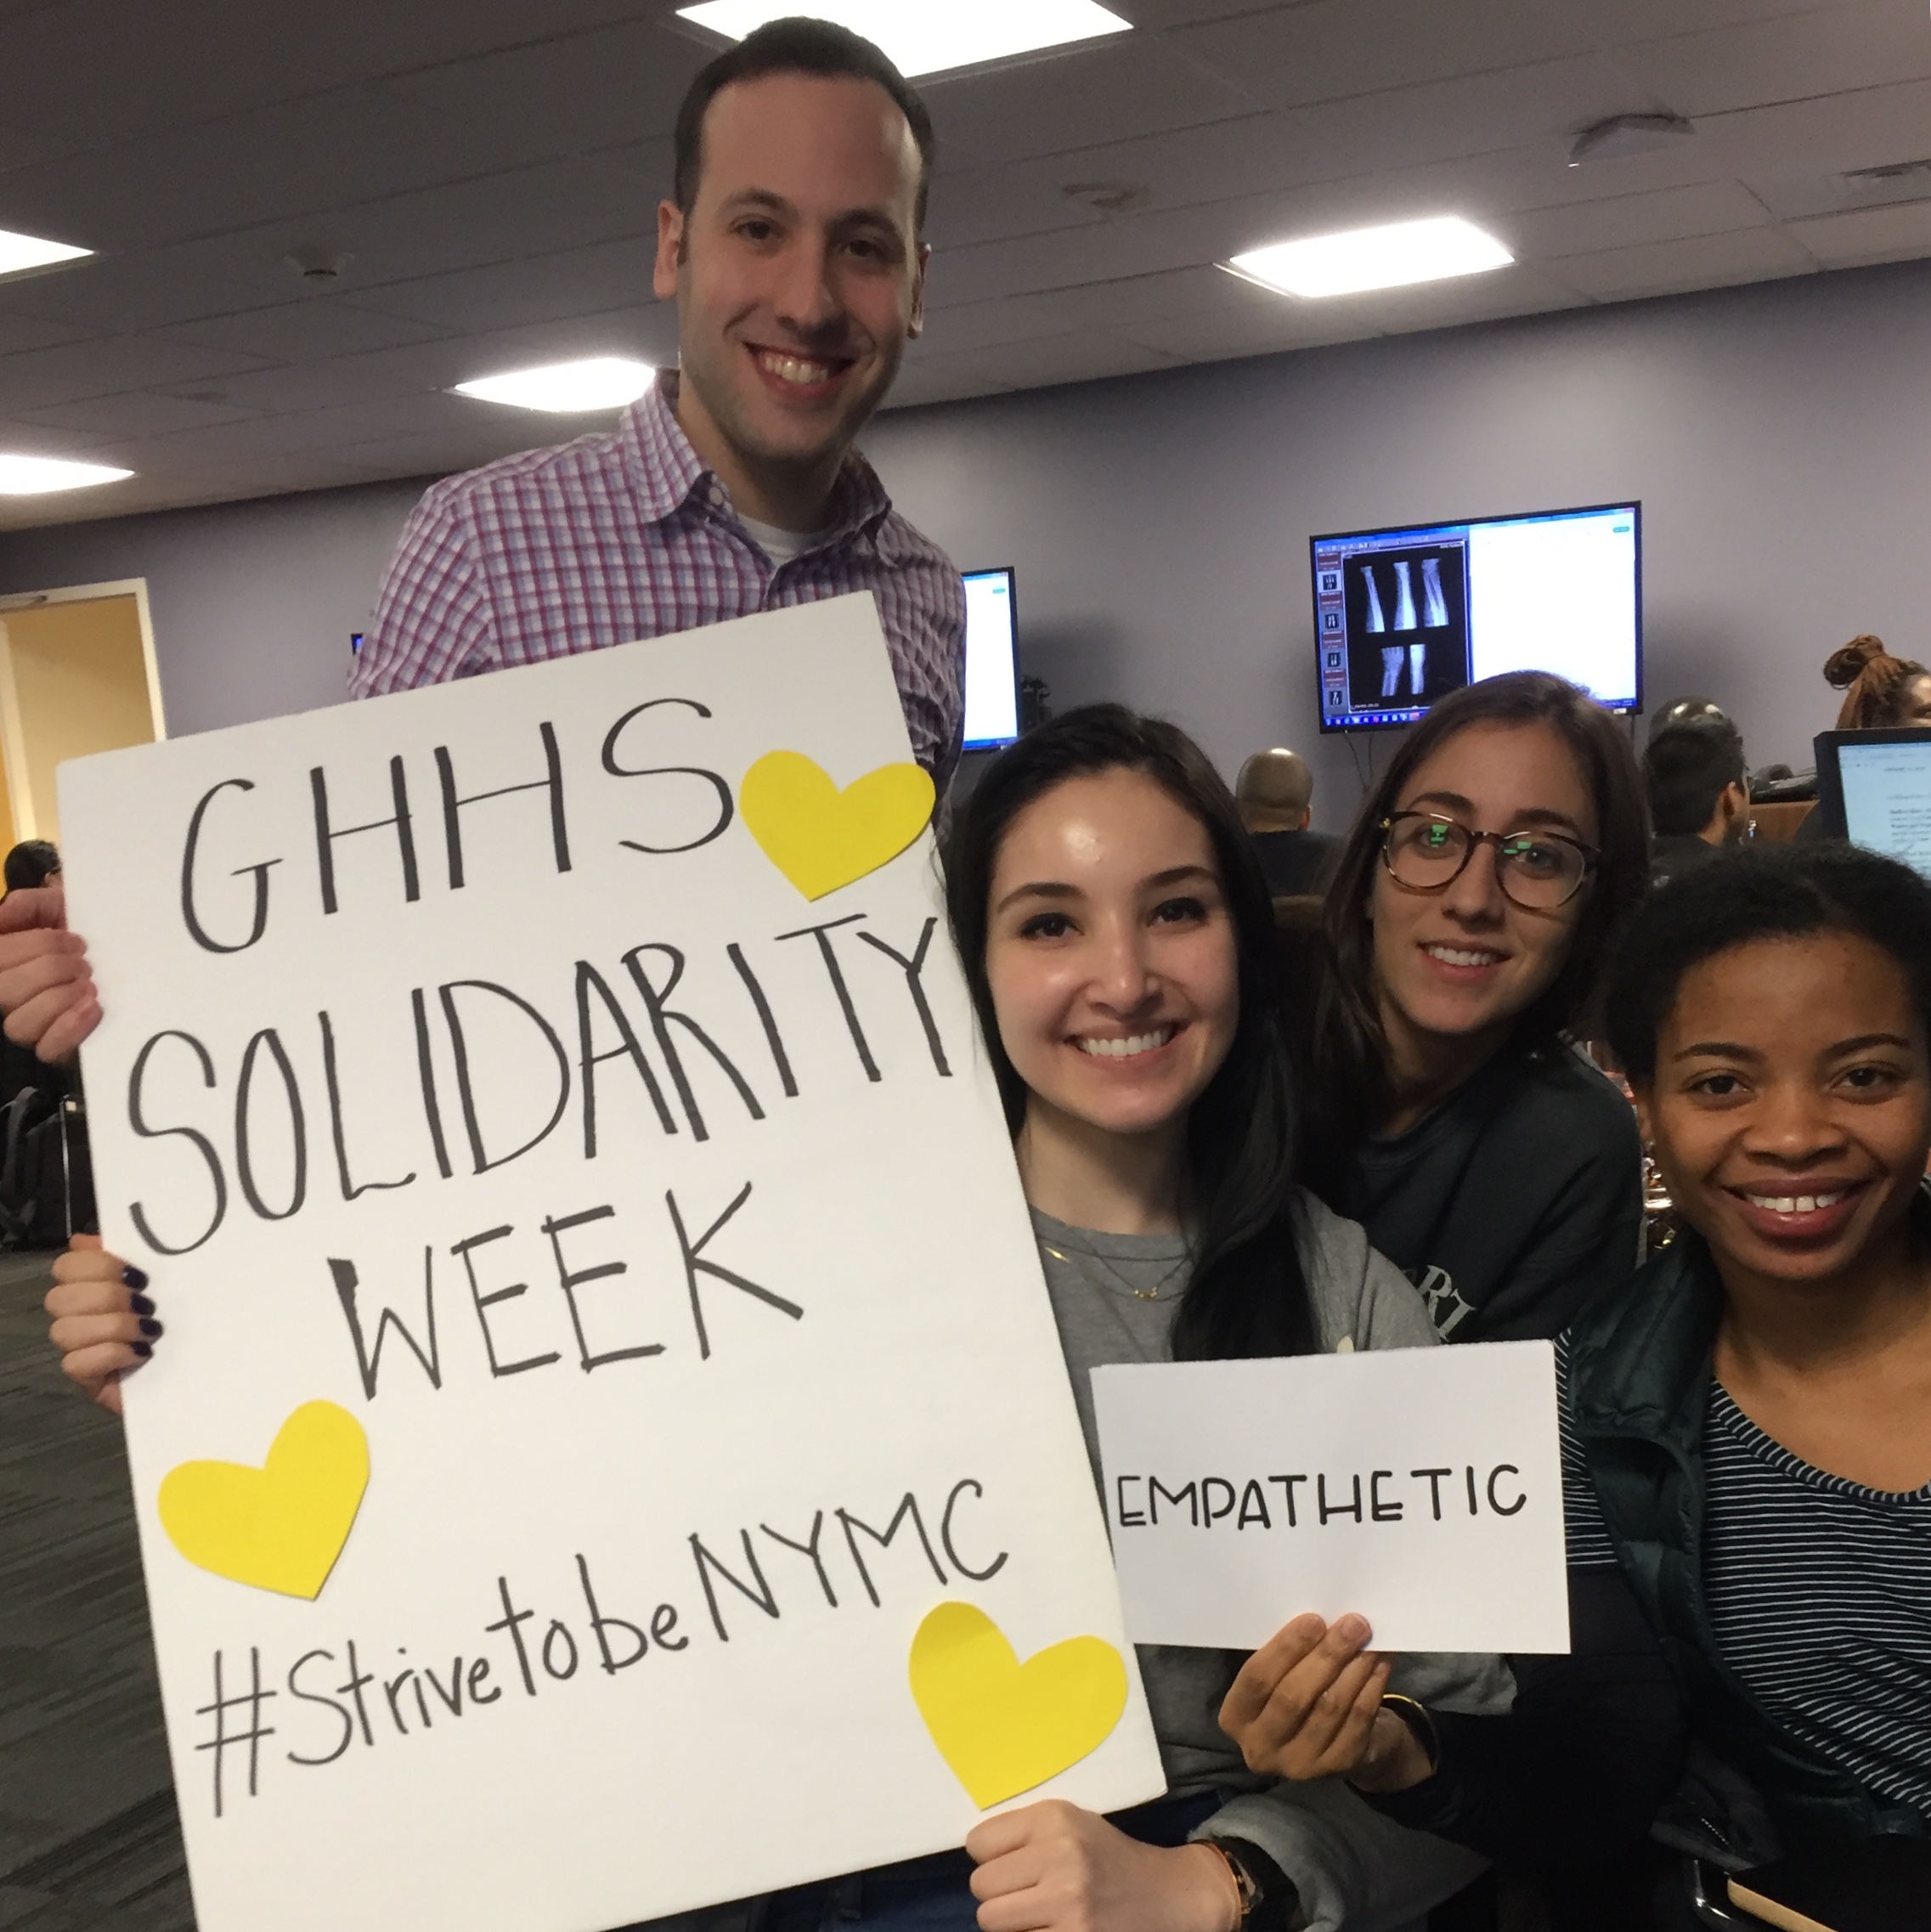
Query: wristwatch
x: 1268, y: 1901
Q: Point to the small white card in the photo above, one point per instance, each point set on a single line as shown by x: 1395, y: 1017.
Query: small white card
x: 1421, y: 1488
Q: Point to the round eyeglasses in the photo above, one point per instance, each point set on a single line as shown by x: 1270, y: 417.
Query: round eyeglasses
x: 1539, y: 871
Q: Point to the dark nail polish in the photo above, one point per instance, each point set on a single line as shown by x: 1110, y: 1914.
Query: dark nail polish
x: 148, y: 1326
x: 134, y: 1277
x: 140, y: 1304
x: 141, y: 1348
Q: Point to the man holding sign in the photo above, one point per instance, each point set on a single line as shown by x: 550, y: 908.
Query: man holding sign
x: 792, y: 249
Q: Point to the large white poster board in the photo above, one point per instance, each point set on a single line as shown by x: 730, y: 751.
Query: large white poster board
x: 1420, y: 1488
x: 611, y: 1449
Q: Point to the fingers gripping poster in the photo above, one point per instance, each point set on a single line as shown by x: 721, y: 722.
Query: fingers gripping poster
x: 610, y: 1450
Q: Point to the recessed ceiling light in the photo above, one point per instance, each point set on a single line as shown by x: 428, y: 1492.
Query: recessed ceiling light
x: 1387, y: 257
x: 19, y: 251
x: 34, y: 475
x: 933, y: 35
x: 603, y: 382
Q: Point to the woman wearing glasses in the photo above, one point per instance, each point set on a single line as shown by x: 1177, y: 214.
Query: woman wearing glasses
x: 1469, y: 909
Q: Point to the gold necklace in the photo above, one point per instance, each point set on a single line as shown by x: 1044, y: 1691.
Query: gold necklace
x: 1150, y: 1294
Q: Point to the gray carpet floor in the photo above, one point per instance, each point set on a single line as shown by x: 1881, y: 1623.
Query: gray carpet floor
x: 88, y: 1837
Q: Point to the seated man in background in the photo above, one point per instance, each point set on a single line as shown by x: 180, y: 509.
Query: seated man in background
x: 1699, y: 800
x: 1274, y: 792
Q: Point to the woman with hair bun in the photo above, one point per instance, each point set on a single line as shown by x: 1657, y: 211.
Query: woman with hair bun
x: 1879, y: 691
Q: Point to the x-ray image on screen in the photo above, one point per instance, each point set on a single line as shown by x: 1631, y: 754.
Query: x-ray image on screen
x: 1407, y: 614
x: 1407, y: 626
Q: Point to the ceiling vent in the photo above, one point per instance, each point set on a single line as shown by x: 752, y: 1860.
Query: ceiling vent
x: 1624, y: 134
x: 1895, y: 181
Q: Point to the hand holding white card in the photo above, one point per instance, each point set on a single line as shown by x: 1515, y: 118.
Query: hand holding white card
x: 1420, y: 1488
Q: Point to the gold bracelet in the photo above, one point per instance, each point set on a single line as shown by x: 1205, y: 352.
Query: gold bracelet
x: 1420, y: 1725
x: 1243, y: 1886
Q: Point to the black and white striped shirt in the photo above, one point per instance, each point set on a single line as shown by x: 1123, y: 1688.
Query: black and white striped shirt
x: 1818, y: 1591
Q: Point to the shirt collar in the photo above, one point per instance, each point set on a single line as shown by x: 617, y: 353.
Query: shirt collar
x: 669, y: 474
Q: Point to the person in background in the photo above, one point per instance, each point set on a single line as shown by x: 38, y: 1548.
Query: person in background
x: 1467, y: 918
x: 794, y: 246
x: 1699, y: 796
x: 31, y: 863
x: 1275, y: 792
x: 1118, y: 942
x: 1879, y: 691
x: 1745, y: 1427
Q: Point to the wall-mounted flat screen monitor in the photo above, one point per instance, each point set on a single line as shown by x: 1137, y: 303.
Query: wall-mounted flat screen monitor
x: 1874, y: 788
x: 1404, y: 617
x: 992, y: 660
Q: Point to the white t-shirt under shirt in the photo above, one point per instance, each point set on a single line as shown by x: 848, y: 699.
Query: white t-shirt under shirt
x: 780, y: 547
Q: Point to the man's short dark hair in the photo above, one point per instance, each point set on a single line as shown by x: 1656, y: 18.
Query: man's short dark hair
x: 796, y: 46
x: 1686, y: 768
x: 31, y: 862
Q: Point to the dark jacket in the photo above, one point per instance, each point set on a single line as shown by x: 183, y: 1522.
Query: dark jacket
x: 1294, y: 862
x: 1586, y: 1763
x: 1640, y: 1373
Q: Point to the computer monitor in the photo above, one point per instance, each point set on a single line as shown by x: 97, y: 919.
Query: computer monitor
x: 992, y: 660
x: 1874, y: 788
x: 1403, y: 617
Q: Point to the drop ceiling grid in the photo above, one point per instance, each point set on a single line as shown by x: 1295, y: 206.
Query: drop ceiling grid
x: 492, y: 173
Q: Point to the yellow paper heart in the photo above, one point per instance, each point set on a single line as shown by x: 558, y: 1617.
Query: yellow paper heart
x: 821, y: 837
x: 1002, y: 1726
x: 280, y: 1527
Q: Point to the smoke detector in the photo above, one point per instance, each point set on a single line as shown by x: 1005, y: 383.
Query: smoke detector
x: 318, y: 267
x: 1110, y: 197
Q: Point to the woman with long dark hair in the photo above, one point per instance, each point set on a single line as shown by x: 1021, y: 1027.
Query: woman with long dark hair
x: 1118, y: 939
x: 1466, y: 922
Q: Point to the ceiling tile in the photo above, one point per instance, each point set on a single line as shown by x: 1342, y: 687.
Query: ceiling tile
x: 108, y: 367
x: 1120, y: 306
x: 117, y: 69
x: 1246, y: 332
x: 1335, y: 49
x: 136, y: 413
x: 620, y: 84
x: 112, y: 294
x: 1829, y: 135
x: 1625, y: 220
x: 1130, y: 86
x: 499, y: 218
x: 18, y: 332
x: 541, y: 289
x: 314, y: 329
x: 1868, y: 234
x: 272, y: 164
x: 1835, y: 49
x: 1479, y: 114
x: 983, y: 325
x: 1658, y: 267
x: 1520, y: 290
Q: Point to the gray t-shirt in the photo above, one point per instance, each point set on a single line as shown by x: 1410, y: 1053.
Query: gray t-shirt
x: 1114, y: 1297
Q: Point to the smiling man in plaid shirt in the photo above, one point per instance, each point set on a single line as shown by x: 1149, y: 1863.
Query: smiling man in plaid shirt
x: 792, y: 249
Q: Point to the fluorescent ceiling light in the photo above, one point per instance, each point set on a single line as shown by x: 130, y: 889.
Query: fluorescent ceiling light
x: 34, y: 476
x: 604, y: 382
x: 930, y: 36
x: 19, y: 251
x: 1374, y: 258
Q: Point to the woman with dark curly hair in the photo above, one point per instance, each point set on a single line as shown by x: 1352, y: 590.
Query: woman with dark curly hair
x: 1879, y: 691
x: 1466, y: 920
x: 1746, y: 1427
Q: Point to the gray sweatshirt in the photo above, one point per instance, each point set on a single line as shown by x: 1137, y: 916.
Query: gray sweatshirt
x: 1114, y: 1297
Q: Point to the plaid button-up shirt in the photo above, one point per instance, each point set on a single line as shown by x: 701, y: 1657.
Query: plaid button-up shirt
x: 629, y: 535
